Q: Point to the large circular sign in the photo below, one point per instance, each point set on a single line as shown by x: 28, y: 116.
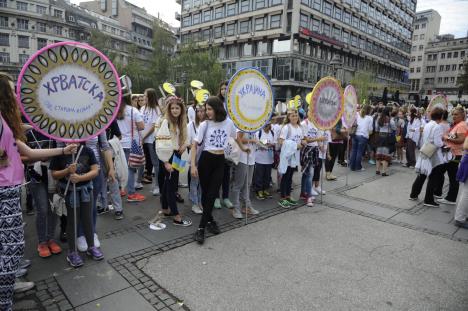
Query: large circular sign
x: 69, y: 91
x: 327, y: 104
x: 249, y: 100
x: 350, y: 106
x: 437, y: 101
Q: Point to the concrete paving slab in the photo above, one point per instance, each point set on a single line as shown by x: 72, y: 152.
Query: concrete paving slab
x: 124, y: 244
x: 391, y: 190
x: 89, y: 283
x: 308, y: 260
x: 461, y: 234
x: 127, y: 299
x: 421, y: 222
x: 332, y: 199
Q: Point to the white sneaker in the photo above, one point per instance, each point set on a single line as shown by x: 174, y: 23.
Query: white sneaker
x: 236, y: 213
x: 313, y: 192
x: 310, y: 202
x: 319, y: 190
x: 21, y: 287
x: 96, y: 241
x: 138, y: 186
x: 252, y: 211
x: 196, y: 209
x: 156, y: 191
x: 444, y: 201
x: 82, y: 244
x: 227, y: 203
x: 111, y: 207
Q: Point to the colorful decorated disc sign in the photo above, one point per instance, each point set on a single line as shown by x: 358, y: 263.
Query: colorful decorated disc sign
x: 350, y: 106
x: 69, y: 91
x: 327, y: 104
x: 249, y: 100
x: 437, y: 101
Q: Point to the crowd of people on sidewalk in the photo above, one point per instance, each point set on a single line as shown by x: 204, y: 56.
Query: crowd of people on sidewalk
x: 71, y: 184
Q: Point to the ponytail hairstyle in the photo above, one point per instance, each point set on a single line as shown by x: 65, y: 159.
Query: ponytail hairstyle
x: 152, y: 100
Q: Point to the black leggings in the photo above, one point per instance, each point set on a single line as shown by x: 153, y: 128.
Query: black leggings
x: 210, y: 172
x: 148, y: 162
x: 84, y: 215
x: 335, y: 149
x: 168, y: 185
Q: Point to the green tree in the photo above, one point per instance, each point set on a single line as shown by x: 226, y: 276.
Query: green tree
x: 463, y: 78
x: 362, y: 82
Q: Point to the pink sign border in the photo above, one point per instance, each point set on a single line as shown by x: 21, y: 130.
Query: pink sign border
x: 50, y: 46
x: 349, y: 89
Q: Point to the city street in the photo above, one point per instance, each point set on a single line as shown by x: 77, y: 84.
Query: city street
x: 367, y: 247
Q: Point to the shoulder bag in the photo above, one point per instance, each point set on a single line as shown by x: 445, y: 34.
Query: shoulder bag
x: 428, y: 148
x: 137, y: 157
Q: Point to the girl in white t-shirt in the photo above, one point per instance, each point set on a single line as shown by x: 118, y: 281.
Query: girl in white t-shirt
x: 192, y: 132
x: 212, y: 137
x: 291, y: 131
x: 151, y: 113
x: 264, y: 158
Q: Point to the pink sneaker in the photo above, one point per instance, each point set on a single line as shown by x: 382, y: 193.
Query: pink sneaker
x: 310, y: 201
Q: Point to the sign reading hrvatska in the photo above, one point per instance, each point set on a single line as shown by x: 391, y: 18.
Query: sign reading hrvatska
x: 69, y: 91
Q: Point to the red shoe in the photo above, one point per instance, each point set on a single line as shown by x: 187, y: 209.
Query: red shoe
x: 304, y: 196
x: 43, y: 250
x: 54, y: 247
x: 123, y: 193
x: 136, y: 197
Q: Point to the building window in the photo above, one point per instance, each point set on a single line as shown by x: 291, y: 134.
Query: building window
x: 3, y: 3
x: 219, y: 12
x: 71, y: 18
x: 247, y: 49
x: 338, y: 13
x: 206, y: 35
x: 41, y: 27
x: 449, y: 55
x: 23, y: 24
x: 4, y: 39
x: 231, y: 29
x: 411, y: 70
x: 41, y: 9
x: 455, y: 54
x: 244, y: 6
x: 259, y: 23
x: 346, y: 37
x: 58, y: 13
x: 4, y: 57
x: 41, y: 43
x: 186, y: 21
x: 259, y: 4
x: 423, y: 26
x: 421, y: 37
x: 327, y: 8
x: 57, y: 30
x: 441, y: 68
x: 347, y: 17
x: 22, y: 6
x: 276, y: 2
x: 233, y: 51
x: 316, y: 25
x: 421, y: 47
x: 231, y: 9
x: 418, y: 69
x: 354, y: 41
x: 355, y: 22
x: 304, y: 21
x: 445, y: 80
x: 23, y: 42
x: 115, y: 8
x: 207, y: 16
x: 413, y: 58
x: 275, y: 21
x: 460, y: 67
x: 244, y: 27
x: 218, y: 32
x: 23, y: 58
x: 326, y: 29
x: 454, y: 67
x: 337, y: 33
x: 415, y: 37
x: 4, y: 21
x: 419, y: 58
x: 439, y: 80
x: 196, y: 18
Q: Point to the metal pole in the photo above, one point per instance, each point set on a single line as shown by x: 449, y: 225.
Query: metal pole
x: 75, y: 234
x: 247, y: 181
x: 347, y: 158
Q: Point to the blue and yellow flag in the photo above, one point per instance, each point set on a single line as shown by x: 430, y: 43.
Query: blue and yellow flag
x: 178, y: 164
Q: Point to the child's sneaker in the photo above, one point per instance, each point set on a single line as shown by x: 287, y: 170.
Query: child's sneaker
x: 54, y: 247
x: 196, y: 209
x: 74, y: 259
x: 310, y: 202
x: 292, y: 202
x: 95, y: 253
x: 250, y: 211
x: 43, y: 250
x: 284, y: 203
x: 304, y: 196
x: 259, y: 195
x: 135, y: 197
x: 217, y: 203
x: 236, y: 213
x: 228, y: 203
x: 267, y: 195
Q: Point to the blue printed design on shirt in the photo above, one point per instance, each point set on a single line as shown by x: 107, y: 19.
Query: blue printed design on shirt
x: 218, y: 138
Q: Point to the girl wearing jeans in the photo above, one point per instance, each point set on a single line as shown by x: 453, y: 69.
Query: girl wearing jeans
x: 360, y: 139
x: 171, y: 140
x: 211, y: 139
x: 130, y: 123
x: 192, y: 131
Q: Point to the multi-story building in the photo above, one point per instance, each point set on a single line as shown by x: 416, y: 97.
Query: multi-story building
x: 426, y: 27
x: 294, y: 41
x: 27, y: 26
x: 444, y: 59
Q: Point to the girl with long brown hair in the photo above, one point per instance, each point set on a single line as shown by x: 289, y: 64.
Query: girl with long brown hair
x: 171, y: 142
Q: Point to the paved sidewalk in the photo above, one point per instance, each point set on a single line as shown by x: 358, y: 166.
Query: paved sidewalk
x: 120, y: 283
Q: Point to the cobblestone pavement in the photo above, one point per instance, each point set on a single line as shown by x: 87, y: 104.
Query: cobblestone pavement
x: 121, y: 283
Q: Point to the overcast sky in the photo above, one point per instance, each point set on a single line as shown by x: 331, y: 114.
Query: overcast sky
x: 454, y: 12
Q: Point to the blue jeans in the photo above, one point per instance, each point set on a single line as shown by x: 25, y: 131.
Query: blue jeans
x: 195, y: 191
x: 131, y: 174
x: 155, y: 161
x: 306, y: 181
x: 98, y: 183
x: 45, y: 218
x: 359, y: 145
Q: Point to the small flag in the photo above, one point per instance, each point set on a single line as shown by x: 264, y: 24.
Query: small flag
x: 178, y: 164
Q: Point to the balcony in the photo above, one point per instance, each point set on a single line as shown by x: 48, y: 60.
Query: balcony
x: 177, y: 16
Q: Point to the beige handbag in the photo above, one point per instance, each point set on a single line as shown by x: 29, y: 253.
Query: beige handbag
x: 428, y: 149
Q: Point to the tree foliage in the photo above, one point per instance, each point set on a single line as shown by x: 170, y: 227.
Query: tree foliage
x: 362, y: 82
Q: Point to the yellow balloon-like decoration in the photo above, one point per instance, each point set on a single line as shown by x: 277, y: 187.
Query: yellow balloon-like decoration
x: 169, y: 88
x: 201, y: 96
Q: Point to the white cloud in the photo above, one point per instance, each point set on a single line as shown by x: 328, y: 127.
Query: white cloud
x: 453, y: 13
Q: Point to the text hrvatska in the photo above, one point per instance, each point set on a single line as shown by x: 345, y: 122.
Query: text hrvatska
x: 64, y: 82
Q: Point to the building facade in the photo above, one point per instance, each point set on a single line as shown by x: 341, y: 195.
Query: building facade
x: 444, y: 59
x: 294, y: 41
x: 425, y: 29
